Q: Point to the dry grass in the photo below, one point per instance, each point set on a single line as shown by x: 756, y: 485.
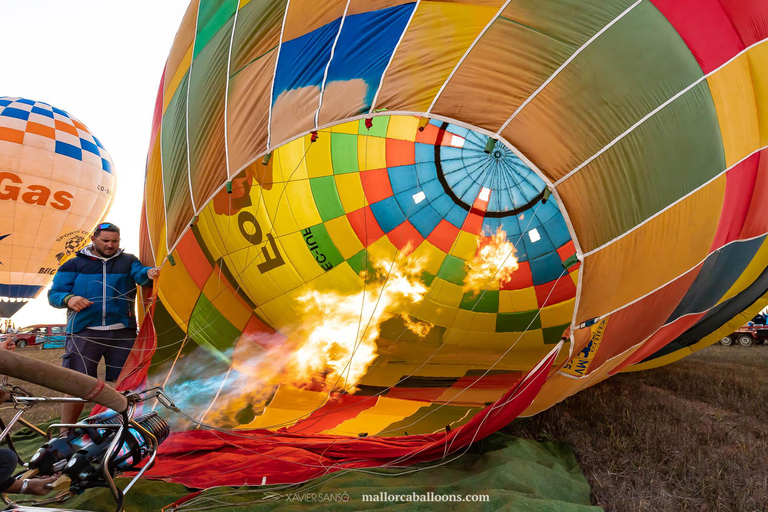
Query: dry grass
x: 689, y: 436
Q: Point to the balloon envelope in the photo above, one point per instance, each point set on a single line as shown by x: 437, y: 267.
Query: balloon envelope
x: 56, y: 184
x: 376, y: 218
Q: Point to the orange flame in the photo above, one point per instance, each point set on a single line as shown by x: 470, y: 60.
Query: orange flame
x: 340, y: 331
x: 493, y: 264
x: 330, y: 347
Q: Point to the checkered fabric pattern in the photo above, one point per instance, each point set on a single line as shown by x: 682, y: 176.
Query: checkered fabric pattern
x: 39, y: 124
x: 435, y: 224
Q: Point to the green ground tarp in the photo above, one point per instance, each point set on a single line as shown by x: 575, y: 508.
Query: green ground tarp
x: 516, y: 475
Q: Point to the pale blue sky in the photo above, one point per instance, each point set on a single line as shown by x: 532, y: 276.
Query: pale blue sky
x: 101, y: 61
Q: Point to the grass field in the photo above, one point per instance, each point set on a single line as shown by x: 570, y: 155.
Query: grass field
x: 692, y: 435
x: 689, y: 436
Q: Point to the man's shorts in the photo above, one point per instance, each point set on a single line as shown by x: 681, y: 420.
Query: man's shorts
x: 8, y: 462
x: 85, y: 349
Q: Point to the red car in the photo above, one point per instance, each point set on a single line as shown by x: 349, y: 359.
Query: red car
x: 41, y: 334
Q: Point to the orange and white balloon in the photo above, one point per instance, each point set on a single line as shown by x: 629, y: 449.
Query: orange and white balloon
x: 56, y: 183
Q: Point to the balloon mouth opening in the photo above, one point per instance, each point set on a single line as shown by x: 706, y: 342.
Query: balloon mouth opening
x: 378, y: 224
x: 481, y: 173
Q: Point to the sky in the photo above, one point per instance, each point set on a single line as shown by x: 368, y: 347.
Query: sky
x: 101, y: 61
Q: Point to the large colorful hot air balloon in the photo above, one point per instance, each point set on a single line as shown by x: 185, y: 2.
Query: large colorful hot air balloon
x: 56, y: 184
x: 377, y: 220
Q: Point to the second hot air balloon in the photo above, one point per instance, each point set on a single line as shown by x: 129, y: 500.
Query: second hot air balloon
x: 56, y: 183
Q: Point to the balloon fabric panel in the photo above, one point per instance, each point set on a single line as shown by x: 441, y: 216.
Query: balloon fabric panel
x: 378, y: 217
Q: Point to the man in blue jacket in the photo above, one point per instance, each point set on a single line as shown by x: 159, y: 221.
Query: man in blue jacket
x: 98, y: 288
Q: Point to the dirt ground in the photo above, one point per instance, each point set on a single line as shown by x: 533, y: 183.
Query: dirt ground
x: 692, y: 435
x: 689, y: 436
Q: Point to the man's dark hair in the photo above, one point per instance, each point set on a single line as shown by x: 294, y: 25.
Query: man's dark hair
x: 106, y: 226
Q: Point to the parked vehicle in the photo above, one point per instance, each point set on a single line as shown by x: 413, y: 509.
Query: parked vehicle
x: 42, y: 335
x: 756, y: 332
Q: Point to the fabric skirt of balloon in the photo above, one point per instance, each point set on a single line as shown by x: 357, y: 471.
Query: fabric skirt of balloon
x: 210, y: 458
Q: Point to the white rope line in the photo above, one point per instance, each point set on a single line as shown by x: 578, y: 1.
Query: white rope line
x: 565, y: 64
x: 328, y: 64
x: 186, y: 116
x: 466, y: 53
x: 274, y: 77
x: 146, y: 223
x: 218, y: 392
x: 358, y: 335
x: 392, y: 58
x: 605, y: 315
x: 671, y: 205
x: 173, y: 365
x: 226, y: 93
x: 162, y: 166
x: 654, y: 112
